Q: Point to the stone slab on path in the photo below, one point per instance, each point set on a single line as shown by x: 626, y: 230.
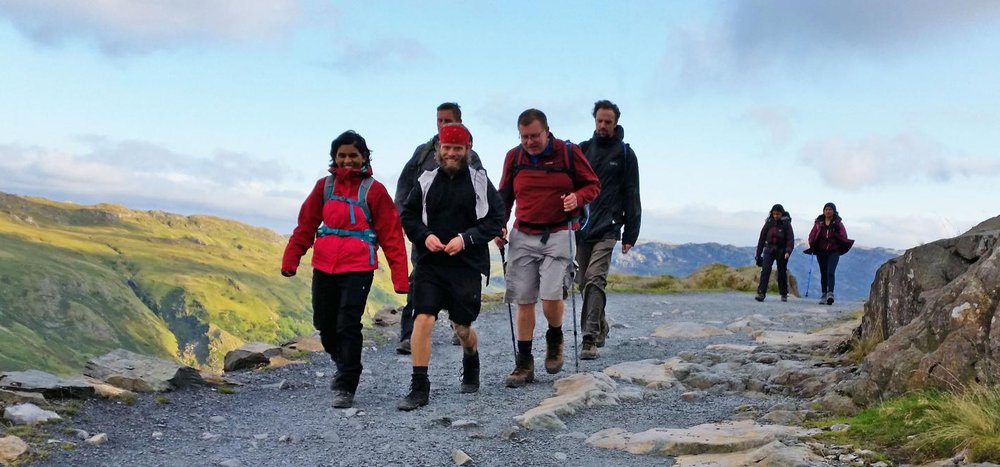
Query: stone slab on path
x: 708, y: 438
x: 654, y: 374
x: 139, y: 373
x: 773, y: 454
x: 688, y: 329
x: 573, y: 393
x: 837, y: 333
x: 48, y: 385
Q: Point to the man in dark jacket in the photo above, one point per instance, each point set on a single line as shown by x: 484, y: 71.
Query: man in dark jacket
x: 776, y: 242
x: 617, y: 207
x: 549, y: 181
x: 424, y: 159
x: 450, y: 217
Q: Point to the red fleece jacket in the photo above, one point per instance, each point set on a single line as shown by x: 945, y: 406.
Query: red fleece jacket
x: 336, y: 254
x: 539, y: 194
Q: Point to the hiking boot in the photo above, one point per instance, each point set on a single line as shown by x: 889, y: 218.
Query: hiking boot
x: 553, y: 353
x: 784, y: 298
x: 419, y: 396
x: 470, y: 373
x: 602, y: 337
x: 455, y: 340
x: 524, y: 371
x: 829, y: 298
x: 343, y: 399
x: 759, y: 297
x: 589, y: 351
x: 404, y: 347
x: 822, y: 300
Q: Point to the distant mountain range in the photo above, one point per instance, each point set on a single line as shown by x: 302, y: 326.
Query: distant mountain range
x: 855, y: 272
x: 78, y: 281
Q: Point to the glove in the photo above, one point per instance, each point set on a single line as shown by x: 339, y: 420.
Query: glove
x: 759, y: 261
x: 288, y: 273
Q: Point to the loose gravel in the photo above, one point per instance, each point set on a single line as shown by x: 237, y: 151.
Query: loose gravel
x: 266, y: 422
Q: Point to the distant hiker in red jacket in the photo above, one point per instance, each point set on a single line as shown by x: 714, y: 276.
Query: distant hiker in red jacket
x: 828, y: 241
x: 348, y: 216
x: 776, y: 242
x: 550, y: 180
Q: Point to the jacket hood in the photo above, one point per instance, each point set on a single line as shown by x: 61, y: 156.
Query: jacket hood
x: 786, y: 218
x: 836, y: 217
x: 618, y: 137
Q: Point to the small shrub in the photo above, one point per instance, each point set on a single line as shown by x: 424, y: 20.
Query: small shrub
x: 127, y: 398
x: 968, y: 420
x: 162, y: 400
x: 226, y: 389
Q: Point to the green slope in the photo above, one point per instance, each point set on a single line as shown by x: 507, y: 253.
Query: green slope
x: 78, y: 281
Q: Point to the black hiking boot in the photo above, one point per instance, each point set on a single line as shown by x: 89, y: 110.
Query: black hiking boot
x: 829, y: 299
x: 470, y: 373
x: 343, y: 399
x: 759, y: 297
x: 524, y: 371
x: 553, y: 352
x: 404, y: 347
x: 784, y: 298
x: 419, y: 396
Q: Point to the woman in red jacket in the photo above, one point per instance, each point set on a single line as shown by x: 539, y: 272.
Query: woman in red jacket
x: 347, y: 216
x: 828, y: 240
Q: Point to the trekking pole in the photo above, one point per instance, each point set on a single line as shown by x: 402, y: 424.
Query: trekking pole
x: 572, y: 281
x: 809, y: 277
x: 510, y: 311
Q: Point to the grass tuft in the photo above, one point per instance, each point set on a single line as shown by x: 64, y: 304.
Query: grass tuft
x: 967, y: 420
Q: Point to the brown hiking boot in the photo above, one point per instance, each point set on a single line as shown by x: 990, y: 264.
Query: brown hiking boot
x: 553, y: 353
x: 524, y: 371
x: 603, y: 336
x: 589, y: 351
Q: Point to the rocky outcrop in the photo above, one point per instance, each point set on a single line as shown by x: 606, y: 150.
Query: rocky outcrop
x: 935, y: 308
x: 140, y: 373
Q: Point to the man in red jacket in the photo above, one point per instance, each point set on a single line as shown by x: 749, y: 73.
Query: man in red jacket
x: 550, y: 180
x: 348, y: 215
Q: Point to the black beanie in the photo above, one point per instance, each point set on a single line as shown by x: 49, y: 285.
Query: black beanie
x: 831, y: 206
x: 778, y: 207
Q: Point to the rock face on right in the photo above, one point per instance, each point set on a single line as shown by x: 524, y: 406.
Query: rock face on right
x: 935, y: 307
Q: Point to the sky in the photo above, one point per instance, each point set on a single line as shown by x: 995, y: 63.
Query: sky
x: 227, y: 107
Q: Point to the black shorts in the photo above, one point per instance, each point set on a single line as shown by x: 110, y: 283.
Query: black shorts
x: 457, y: 289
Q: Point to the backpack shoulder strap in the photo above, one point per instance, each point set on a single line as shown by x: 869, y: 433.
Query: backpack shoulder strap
x: 366, y: 185
x: 428, y: 148
x: 328, y: 188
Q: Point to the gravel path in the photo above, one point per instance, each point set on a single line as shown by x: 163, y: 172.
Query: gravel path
x: 296, y: 426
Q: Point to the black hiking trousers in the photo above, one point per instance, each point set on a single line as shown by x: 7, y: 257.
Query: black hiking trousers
x: 338, y: 304
x: 770, y: 254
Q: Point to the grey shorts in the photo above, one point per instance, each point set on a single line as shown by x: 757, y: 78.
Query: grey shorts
x: 537, y: 270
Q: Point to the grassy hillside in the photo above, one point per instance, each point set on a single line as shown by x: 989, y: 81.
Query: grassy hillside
x: 78, y: 281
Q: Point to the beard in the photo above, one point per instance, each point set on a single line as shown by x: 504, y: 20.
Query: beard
x: 451, y: 168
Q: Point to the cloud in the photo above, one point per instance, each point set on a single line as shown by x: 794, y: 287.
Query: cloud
x: 749, y: 38
x: 380, y: 55
x: 146, y: 176
x: 123, y: 27
x: 776, y: 120
x: 881, y: 160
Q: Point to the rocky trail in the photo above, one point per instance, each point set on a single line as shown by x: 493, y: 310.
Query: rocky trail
x: 685, y: 379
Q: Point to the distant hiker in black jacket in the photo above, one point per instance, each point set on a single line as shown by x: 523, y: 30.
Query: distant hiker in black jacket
x: 424, y: 159
x: 776, y: 242
x: 450, y: 216
x: 616, y: 207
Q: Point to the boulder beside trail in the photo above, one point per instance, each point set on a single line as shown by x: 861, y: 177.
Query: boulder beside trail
x: 933, y: 312
x: 139, y: 373
x: 48, y: 385
x: 11, y: 449
x: 250, y: 355
x: 29, y: 414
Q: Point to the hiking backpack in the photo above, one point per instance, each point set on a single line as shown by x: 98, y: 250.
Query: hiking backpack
x: 366, y: 235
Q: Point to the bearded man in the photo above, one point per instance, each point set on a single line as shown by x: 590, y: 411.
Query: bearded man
x: 450, y: 216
